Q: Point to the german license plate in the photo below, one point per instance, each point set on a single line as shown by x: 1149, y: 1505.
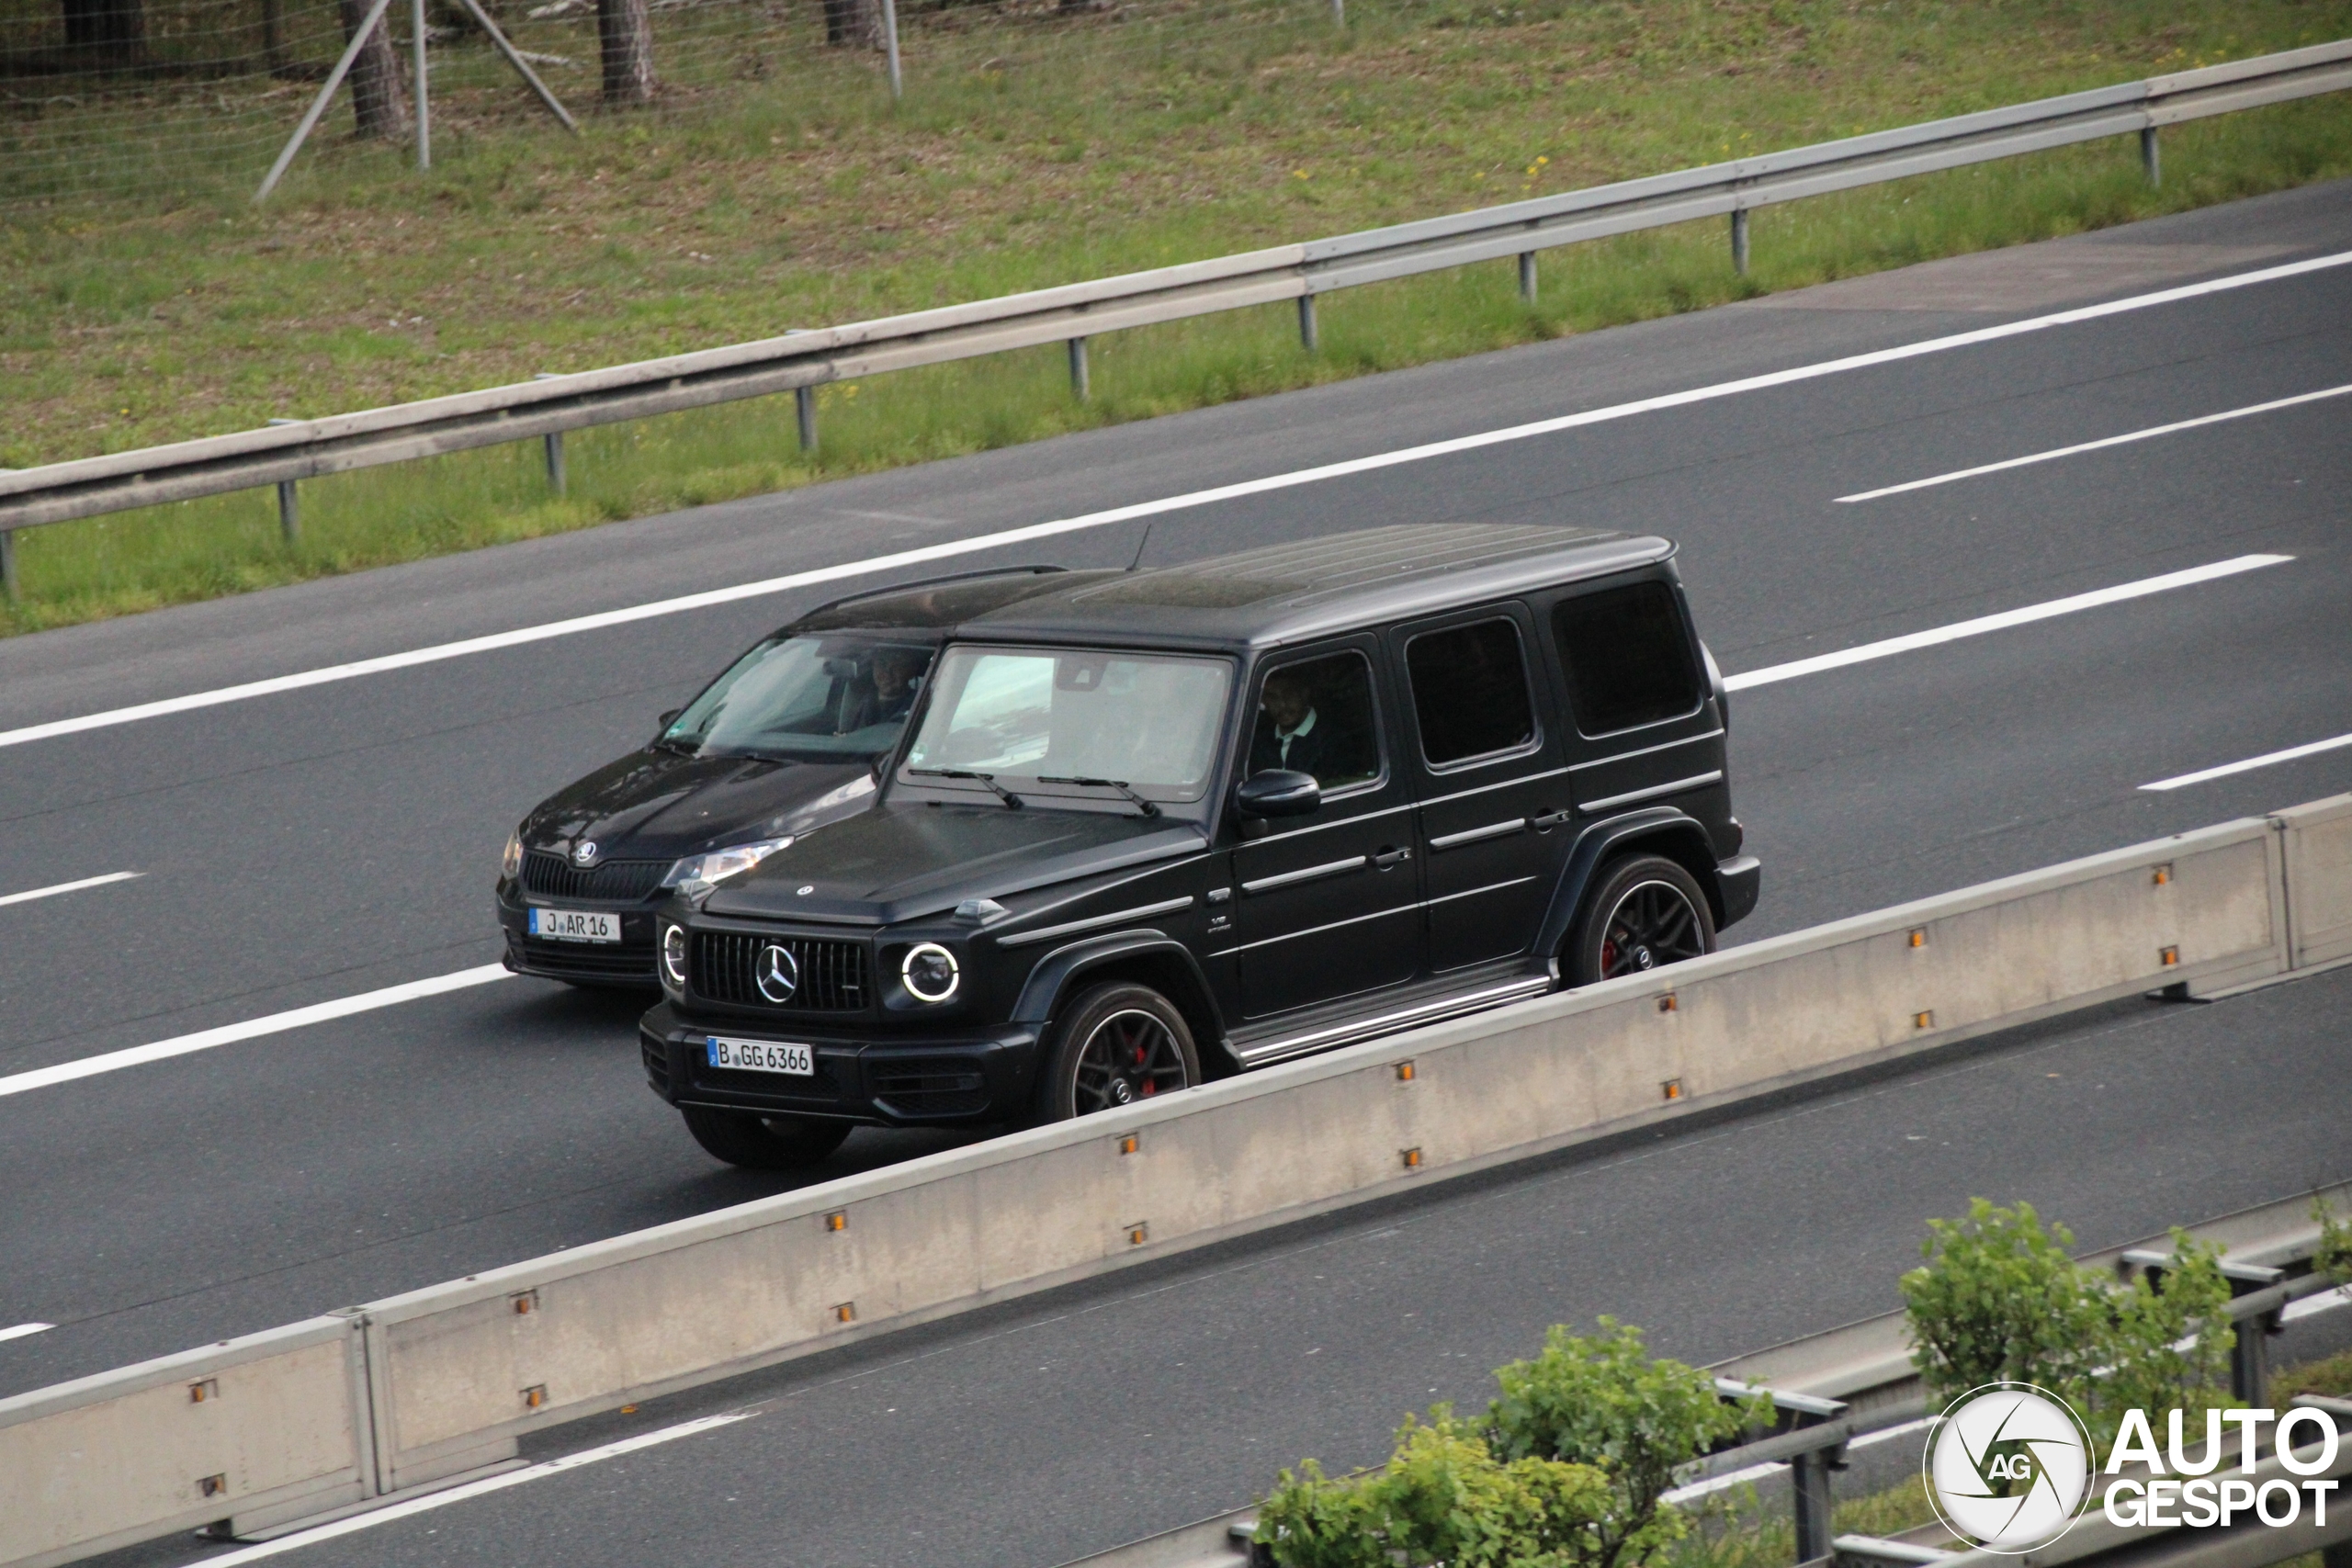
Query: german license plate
x: 575, y: 925
x: 761, y: 1057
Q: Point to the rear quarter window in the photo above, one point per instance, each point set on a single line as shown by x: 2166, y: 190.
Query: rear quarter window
x: 1628, y: 656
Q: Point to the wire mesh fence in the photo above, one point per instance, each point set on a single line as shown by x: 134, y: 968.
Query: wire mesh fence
x: 147, y: 99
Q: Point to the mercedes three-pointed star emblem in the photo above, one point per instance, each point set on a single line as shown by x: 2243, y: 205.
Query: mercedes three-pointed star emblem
x: 777, y: 974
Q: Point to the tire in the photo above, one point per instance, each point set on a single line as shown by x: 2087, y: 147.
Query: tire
x: 1115, y: 1045
x: 764, y: 1143
x: 1646, y: 912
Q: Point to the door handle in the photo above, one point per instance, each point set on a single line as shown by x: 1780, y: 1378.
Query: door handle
x: 1387, y: 858
x: 1544, y: 820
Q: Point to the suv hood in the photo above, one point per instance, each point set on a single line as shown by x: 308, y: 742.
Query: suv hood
x: 898, y: 862
x: 658, y: 805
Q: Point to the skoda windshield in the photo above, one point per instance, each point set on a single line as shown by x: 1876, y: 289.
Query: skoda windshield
x: 1074, y: 721
x: 835, y: 698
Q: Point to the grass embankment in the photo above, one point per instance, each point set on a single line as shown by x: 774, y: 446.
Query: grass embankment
x: 1083, y: 148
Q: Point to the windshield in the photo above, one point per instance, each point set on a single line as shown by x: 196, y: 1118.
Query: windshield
x: 1147, y: 720
x: 806, y: 699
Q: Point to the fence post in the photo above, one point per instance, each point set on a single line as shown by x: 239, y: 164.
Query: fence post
x: 1338, y: 13
x: 8, y: 563
x: 1739, y: 240
x: 423, y: 113
x: 1527, y: 276
x: 1307, y: 321
x: 804, y: 404
x: 890, y: 41
x: 1809, y: 1479
x: 2150, y: 159
x: 1078, y: 379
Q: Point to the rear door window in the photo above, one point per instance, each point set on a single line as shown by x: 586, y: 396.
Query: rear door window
x: 1627, y: 656
x: 1470, y: 692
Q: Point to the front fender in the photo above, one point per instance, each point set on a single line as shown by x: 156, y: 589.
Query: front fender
x: 1668, y: 832
x: 1060, y: 969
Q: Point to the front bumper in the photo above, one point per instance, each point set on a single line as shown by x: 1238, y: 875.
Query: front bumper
x: 914, y: 1081
x: 1738, y: 881
x: 627, y: 963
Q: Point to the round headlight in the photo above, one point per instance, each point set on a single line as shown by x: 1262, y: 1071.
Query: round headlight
x: 674, y: 956
x: 929, y: 973
x: 510, y: 864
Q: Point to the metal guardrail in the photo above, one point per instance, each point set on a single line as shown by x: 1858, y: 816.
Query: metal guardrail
x: 288, y: 451
x: 1857, y: 1381
x: 372, y: 1403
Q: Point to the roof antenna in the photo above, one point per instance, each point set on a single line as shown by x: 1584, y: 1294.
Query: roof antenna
x: 1140, y: 545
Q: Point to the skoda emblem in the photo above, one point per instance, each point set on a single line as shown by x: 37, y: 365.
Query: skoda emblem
x: 778, y: 973
x: 583, y: 852
x: 807, y: 888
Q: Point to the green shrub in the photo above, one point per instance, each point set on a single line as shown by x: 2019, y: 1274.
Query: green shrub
x: 1443, y: 1498
x: 1603, y: 1402
x: 2000, y: 1301
x: 1564, y: 1470
x: 2334, y: 1256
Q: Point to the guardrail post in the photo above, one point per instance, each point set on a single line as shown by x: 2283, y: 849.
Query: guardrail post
x: 423, y: 113
x: 804, y: 404
x: 8, y: 563
x: 890, y: 37
x: 1077, y: 381
x: 1527, y: 276
x: 1809, y: 1479
x: 2150, y: 159
x: 289, y: 513
x: 1338, y: 13
x: 1739, y: 240
x: 1307, y: 321
x: 555, y: 461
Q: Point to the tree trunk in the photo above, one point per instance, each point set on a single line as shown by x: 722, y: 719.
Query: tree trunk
x: 106, y: 35
x: 379, y: 98
x: 853, y: 24
x: 626, y: 32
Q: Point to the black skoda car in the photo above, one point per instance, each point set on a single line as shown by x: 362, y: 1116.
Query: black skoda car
x: 1161, y: 826
x: 792, y: 735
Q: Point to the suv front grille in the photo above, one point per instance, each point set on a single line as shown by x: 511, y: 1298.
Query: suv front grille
x: 725, y: 967
x: 615, y: 881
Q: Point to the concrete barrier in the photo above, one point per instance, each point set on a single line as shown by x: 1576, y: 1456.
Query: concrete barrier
x: 450, y: 1376
x: 265, y: 1426
x: 2318, y: 849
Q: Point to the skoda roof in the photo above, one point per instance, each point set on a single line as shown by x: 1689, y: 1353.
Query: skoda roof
x: 1281, y: 594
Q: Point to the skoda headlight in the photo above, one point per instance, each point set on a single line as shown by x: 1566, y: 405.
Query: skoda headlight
x: 510, y: 864
x: 673, y: 957
x: 929, y: 973
x: 720, y: 864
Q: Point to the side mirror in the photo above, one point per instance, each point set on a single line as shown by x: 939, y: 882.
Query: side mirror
x: 1278, y: 792
x: 667, y: 719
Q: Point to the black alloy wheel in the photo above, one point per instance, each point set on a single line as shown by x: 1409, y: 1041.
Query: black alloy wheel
x: 1118, y: 1044
x: 764, y: 1143
x: 1648, y: 912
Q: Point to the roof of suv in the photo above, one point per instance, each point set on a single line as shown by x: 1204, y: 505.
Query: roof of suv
x: 941, y: 603
x: 1280, y: 593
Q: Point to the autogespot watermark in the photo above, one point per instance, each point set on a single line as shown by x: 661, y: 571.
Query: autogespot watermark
x: 2009, y: 1466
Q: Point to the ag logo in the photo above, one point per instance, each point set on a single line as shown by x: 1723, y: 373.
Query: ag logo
x: 2009, y: 1466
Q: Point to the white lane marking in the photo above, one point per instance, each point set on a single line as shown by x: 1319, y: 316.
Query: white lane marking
x: 2268, y: 759
x: 2006, y: 619
x: 949, y: 548
x: 2124, y: 440
x: 54, y: 891
x: 471, y: 1489
x: 22, y: 1329
x: 227, y: 1034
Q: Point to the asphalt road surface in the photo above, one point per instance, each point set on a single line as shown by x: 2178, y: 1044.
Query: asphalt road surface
x: 314, y: 845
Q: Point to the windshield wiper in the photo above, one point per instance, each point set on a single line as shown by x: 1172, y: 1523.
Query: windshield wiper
x: 1147, y: 807
x: 1011, y: 801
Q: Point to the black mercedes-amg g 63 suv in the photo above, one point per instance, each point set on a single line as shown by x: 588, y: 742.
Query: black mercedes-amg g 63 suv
x: 1155, y: 826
